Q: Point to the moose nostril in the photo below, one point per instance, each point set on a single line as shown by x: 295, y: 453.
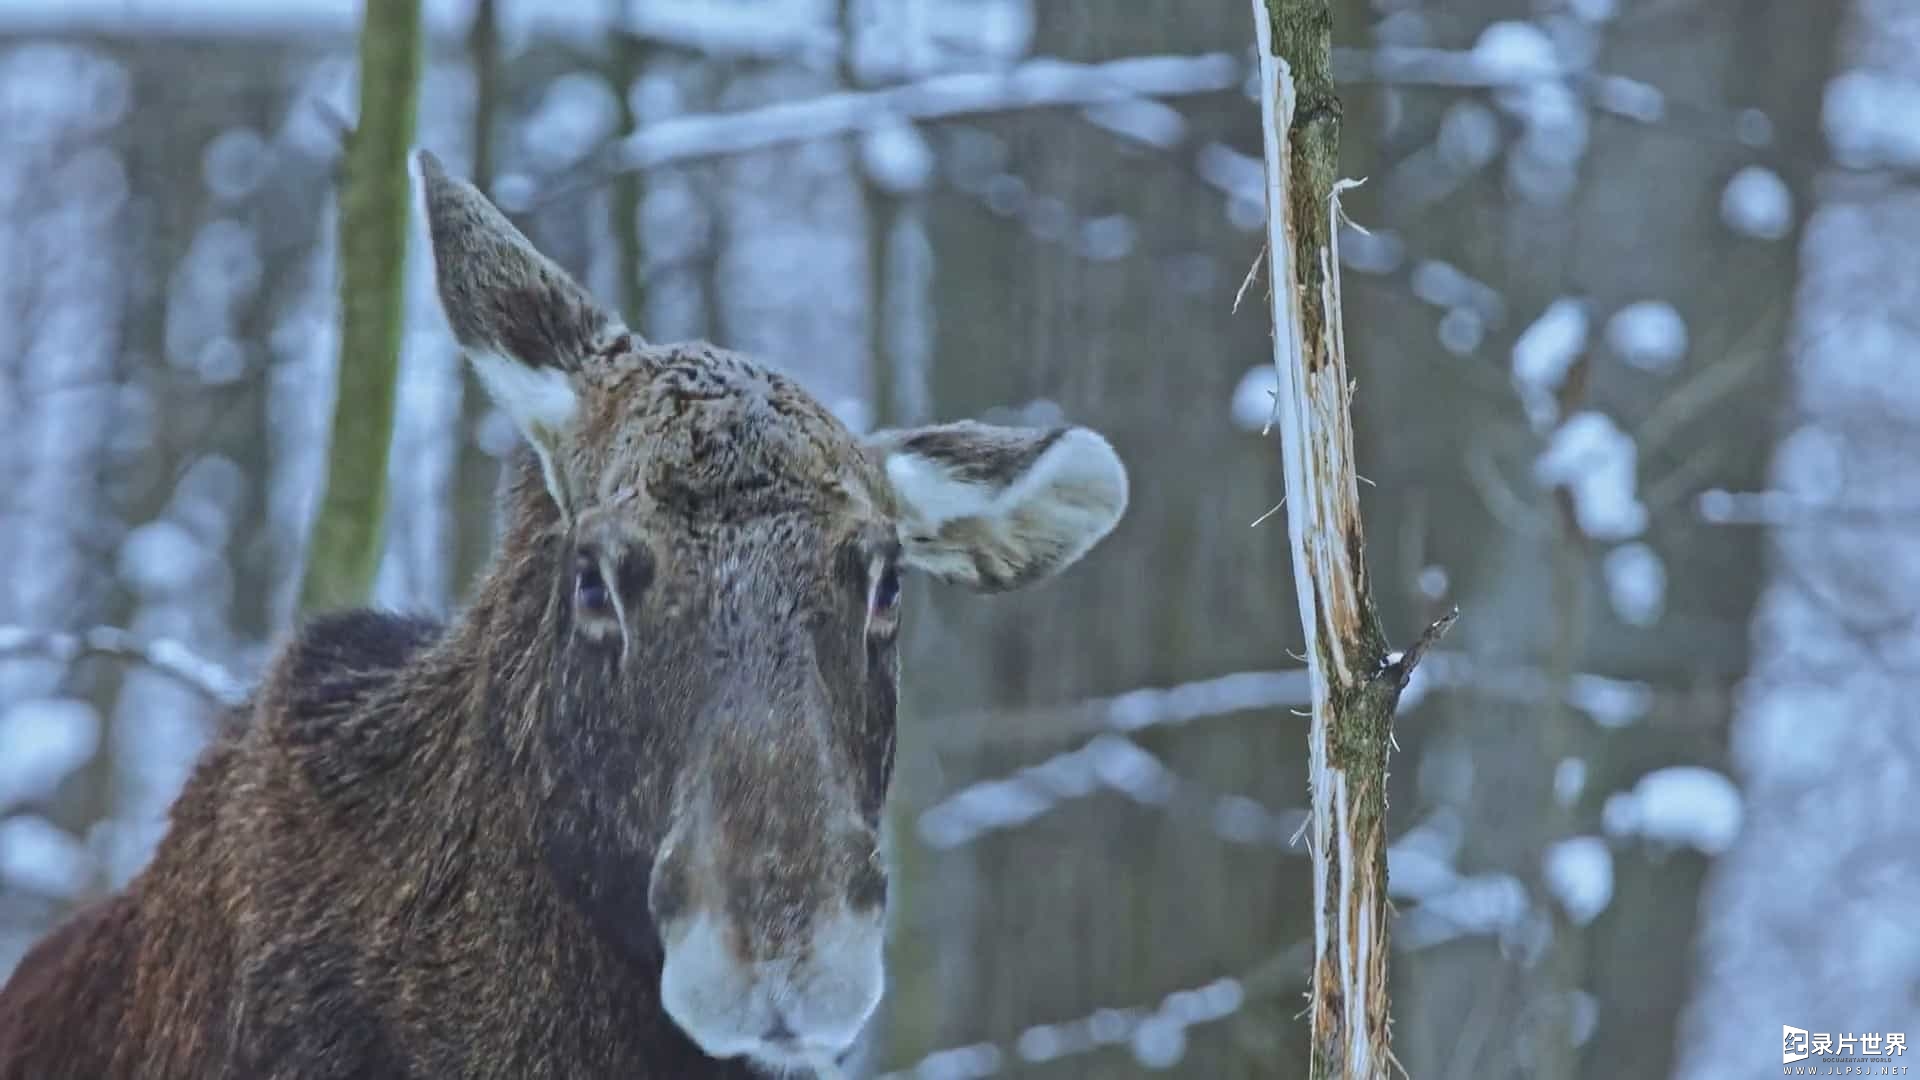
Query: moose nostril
x: 867, y: 890
x: 778, y: 1031
x: 667, y: 895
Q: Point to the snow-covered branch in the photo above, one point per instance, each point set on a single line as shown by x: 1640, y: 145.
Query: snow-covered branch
x: 1156, y: 1034
x: 1611, y: 702
x: 1774, y: 508
x: 161, y: 654
x: 1515, y: 54
x: 1110, y: 763
x: 1133, y: 710
x: 1035, y: 84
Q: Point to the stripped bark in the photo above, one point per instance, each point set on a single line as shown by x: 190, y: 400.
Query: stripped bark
x: 1356, y: 681
x: 344, y: 550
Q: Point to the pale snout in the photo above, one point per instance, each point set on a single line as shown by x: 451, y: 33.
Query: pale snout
x: 801, y: 1006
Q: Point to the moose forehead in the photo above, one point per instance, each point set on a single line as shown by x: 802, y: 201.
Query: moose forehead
x: 690, y: 433
x: 698, y: 433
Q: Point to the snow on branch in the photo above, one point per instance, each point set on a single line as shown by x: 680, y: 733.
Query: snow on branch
x: 1034, y: 84
x: 1518, y: 54
x: 1775, y: 508
x: 162, y: 654
x: 1111, y: 763
x: 1156, y: 1034
x: 1611, y: 702
x: 1138, y: 709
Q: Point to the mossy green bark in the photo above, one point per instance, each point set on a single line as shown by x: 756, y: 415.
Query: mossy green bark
x: 1353, y: 726
x: 1303, y: 36
x: 344, y: 549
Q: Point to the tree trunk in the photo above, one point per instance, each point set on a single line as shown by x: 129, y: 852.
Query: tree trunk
x: 344, y: 551
x: 478, y: 475
x: 1356, y: 681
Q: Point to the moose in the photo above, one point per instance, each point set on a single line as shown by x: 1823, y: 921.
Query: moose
x: 618, y: 817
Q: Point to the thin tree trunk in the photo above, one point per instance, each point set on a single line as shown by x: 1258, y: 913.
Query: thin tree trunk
x: 629, y: 60
x: 344, y: 551
x: 1356, y: 681
x: 477, y: 475
x: 483, y: 52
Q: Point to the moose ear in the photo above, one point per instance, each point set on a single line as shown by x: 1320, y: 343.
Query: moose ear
x: 998, y: 508
x: 524, y: 323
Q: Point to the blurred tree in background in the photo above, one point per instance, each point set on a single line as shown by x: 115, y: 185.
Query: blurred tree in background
x: 375, y: 198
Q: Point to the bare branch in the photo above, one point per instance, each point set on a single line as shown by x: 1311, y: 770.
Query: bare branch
x: 1692, y: 398
x: 1501, y: 500
x: 1253, y: 271
x: 1683, y: 480
x: 1399, y: 668
x: 1685, y: 404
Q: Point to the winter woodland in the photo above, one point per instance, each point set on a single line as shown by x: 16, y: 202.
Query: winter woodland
x: 1628, y: 288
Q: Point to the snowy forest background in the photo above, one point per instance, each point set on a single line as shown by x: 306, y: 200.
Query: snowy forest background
x: 1628, y: 327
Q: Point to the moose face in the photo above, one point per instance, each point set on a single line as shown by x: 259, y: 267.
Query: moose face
x: 723, y: 595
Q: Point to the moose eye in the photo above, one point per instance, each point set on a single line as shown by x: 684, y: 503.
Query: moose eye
x: 886, y: 594
x: 589, y: 588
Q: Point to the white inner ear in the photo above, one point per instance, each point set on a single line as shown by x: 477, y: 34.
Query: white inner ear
x: 538, y: 398
x: 933, y: 493
x: 1080, y: 466
x: 542, y: 403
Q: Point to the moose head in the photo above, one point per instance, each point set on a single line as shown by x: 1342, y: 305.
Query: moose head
x: 717, y: 562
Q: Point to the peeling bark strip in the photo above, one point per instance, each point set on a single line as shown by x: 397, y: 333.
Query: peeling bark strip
x: 1356, y: 683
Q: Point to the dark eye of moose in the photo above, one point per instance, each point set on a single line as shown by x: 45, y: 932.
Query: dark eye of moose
x: 589, y: 588
x: 886, y: 594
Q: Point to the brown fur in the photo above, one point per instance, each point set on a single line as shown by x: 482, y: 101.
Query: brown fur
x: 438, y: 851
x: 354, y: 884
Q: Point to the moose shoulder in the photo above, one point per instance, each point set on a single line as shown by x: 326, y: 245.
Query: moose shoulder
x: 620, y: 816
